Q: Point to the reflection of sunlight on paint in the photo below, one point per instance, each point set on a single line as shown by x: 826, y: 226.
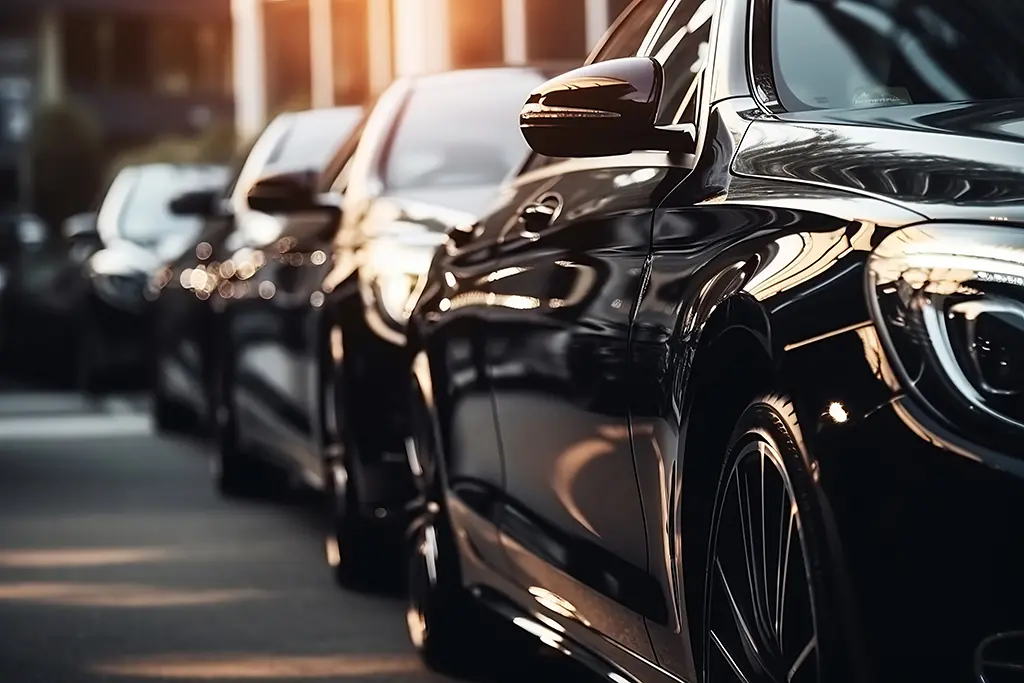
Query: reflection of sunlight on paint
x: 568, y: 465
x: 262, y: 667
x: 121, y: 595
x: 82, y: 557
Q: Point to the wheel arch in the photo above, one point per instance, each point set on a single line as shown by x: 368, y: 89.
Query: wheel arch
x: 734, y: 349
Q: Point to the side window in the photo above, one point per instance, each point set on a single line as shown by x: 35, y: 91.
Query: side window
x: 682, y: 47
x: 628, y: 32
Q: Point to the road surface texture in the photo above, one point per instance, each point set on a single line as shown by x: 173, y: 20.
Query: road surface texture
x: 118, y: 563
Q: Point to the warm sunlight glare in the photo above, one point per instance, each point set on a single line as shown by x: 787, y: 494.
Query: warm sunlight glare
x: 120, y: 595
x: 82, y: 557
x: 262, y: 667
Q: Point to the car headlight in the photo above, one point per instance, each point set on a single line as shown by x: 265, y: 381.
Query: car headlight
x: 948, y: 301
x: 394, y: 294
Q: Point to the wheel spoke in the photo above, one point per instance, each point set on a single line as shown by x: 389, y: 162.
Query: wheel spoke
x: 802, y: 658
x: 752, y: 649
x: 786, y: 520
x: 730, y: 660
x: 767, y: 617
x: 746, y: 635
x: 757, y: 598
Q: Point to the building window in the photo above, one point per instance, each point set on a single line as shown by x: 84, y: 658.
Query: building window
x: 475, y: 28
x: 349, y: 33
x: 289, y: 64
x: 145, y: 53
x: 556, y: 30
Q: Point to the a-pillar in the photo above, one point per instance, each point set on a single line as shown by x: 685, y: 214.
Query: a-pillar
x: 250, y: 81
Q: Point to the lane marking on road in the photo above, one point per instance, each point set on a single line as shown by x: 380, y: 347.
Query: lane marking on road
x: 74, y: 427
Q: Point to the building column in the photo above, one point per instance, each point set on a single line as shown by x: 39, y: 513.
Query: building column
x: 250, y: 68
x: 381, y: 67
x: 321, y: 53
x: 51, y: 56
x: 598, y: 21
x: 514, y: 31
x: 421, y: 37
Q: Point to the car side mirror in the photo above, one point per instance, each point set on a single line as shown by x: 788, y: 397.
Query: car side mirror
x: 285, y: 193
x: 602, y: 109
x: 201, y: 203
x: 80, y: 227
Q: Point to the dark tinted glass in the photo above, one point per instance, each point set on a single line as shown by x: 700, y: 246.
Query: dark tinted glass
x: 870, y: 53
x: 460, y: 129
x: 145, y: 216
x: 629, y: 34
x: 682, y: 48
x: 313, y: 138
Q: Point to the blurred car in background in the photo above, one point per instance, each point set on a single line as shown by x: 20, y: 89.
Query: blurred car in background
x: 316, y: 370
x: 185, y: 341
x: 41, y: 292
x: 139, y: 234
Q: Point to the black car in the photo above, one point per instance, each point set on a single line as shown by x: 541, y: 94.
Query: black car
x: 317, y: 369
x: 138, y: 235
x: 728, y: 386
x: 185, y: 339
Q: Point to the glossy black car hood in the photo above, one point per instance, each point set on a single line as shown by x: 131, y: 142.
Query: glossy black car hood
x: 472, y: 200
x: 963, y: 161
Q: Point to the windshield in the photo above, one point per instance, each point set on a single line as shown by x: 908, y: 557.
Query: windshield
x: 839, y: 54
x: 313, y: 138
x: 145, y: 217
x: 446, y: 138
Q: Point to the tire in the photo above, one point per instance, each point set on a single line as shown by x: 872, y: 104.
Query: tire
x: 350, y: 534
x: 453, y: 633
x: 768, y: 515
x: 90, y: 378
x: 168, y: 416
x: 236, y: 474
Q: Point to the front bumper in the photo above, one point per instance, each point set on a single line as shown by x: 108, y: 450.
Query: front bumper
x: 928, y: 527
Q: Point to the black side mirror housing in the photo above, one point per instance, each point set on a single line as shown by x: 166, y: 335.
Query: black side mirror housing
x: 292, y: 192
x: 201, y: 203
x: 602, y: 109
x: 80, y: 227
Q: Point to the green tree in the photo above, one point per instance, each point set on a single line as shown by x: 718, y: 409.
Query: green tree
x: 65, y: 157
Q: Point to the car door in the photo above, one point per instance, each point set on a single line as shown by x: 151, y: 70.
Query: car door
x: 683, y: 47
x: 572, y: 258
x: 183, y: 316
x: 271, y: 304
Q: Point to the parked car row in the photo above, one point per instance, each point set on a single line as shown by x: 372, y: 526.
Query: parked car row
x: 707, y: 370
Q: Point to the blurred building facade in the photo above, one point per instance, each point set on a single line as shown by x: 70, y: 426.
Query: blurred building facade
x: 142, y: 68
x: 292, y: 53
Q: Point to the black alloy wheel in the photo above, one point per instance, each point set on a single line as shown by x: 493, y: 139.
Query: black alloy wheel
x: 236, y: 474
x: 453, y: 634
x: 768, y: 614
x: 350, y: 542
x: 89, y: 375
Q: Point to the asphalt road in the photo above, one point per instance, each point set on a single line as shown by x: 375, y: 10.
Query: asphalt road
x: 119, y: 563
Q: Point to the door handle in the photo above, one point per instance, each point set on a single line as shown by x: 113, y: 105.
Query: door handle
x: 538, y: 215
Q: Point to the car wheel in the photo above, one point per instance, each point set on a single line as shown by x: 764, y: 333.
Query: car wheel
x: 770, y: 607
x: 352, y: 552
x: 235, y: 473
x: 453, y: 634
x: 168, y: 416
x: 89, y: 377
